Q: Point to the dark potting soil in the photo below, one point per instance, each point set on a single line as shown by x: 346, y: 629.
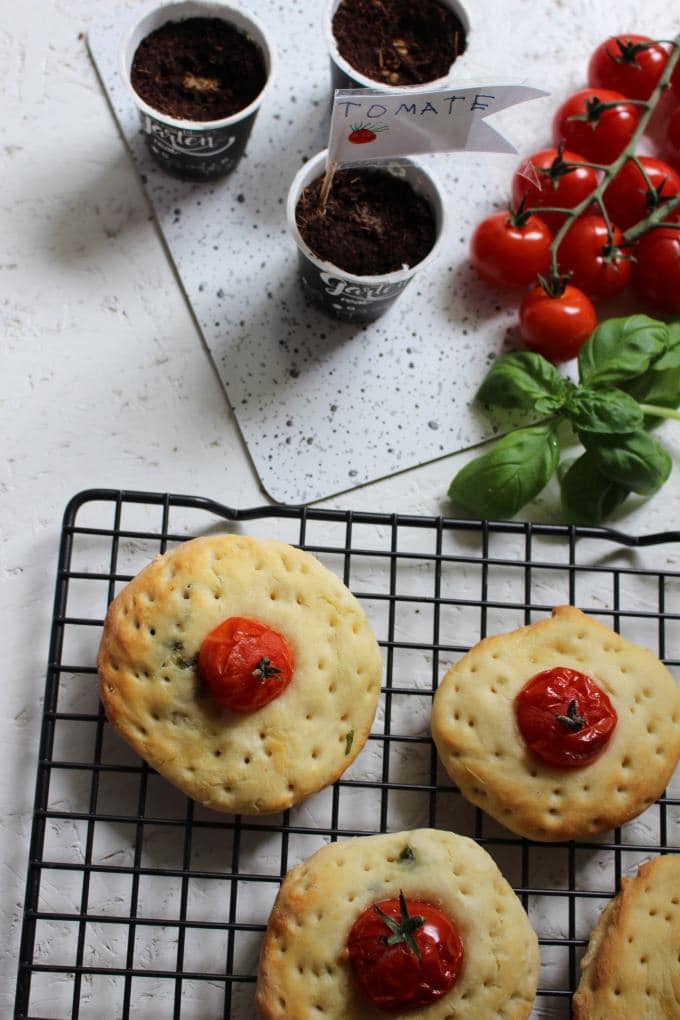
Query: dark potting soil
x: 198, y: 69
x: 400, y: 42
x: 373, y: 223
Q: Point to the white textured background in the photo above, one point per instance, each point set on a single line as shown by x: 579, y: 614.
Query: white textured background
x: 104, y: 380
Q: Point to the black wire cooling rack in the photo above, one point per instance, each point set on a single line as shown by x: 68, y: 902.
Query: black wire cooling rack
x: 141, y: 903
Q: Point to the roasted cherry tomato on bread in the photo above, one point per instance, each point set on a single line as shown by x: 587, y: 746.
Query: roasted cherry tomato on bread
x: 589, y: 124
x: 556, y: 327
x: 509, y: 250
x: 629, y: 64
x: 404, y: 954
x: 636, y: 192
x: 244, y: 664
x: 548, y: 178
x: 656, y: 272
x: 564, y: 718
x: 595, y: 264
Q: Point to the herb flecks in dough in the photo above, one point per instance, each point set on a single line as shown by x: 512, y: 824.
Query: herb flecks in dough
x: 407, y: 856
x: 179, y: 660
x: 349, y: 740
x: 183, y: 663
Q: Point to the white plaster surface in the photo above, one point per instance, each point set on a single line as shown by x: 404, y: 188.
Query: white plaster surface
x: 105, y: 381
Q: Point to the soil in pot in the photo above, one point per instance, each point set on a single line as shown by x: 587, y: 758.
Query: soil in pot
x: 400, y: 42
x: 373, y: 222
x: 199, y: 69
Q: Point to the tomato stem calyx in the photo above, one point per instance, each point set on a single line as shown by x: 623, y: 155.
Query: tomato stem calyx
x: 558, y: 168
x: 628, y: 51
x: 518, y: 217
x: 403, y: 929
x: 264, y: 669
x: 554, y: 283
x: 572, y: 720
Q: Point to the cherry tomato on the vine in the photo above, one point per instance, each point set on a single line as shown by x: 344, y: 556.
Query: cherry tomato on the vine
x: 627, y: 64
x: 628, y: 198
x: 509, y: 255
x: 597, y: 134
x: 556, y: 327
x: 565, y: 719
x: 595, y: 263
x: 656, y: 273
x: 244, y: 664
x: 673, y: 136
x: 558, y: 184
x: 404, y: 954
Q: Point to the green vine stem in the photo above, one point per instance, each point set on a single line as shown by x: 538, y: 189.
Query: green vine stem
x: 656, y: 217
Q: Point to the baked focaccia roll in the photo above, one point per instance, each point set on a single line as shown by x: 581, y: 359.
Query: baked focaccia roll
x: 418, y: 925
x: 631, y: 969
x: 242, y: 670
x: 559, y: 730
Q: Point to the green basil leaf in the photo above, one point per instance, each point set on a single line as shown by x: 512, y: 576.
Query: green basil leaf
x: 635, y: 460
x: 605, y: 411
x: 671, y: 357
x: 588, y: 497
x: 661, y: 388
x: 499, y: 483
x: 621, y: 349
x: 524, y: 380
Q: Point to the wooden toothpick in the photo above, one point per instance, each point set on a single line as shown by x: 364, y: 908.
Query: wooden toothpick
x: 327, y: 185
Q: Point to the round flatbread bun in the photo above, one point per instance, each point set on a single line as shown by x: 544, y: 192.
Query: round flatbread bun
x: 268, y: 759
x: 481, y: 748
x: 631, y: 969
x: 304, y: 971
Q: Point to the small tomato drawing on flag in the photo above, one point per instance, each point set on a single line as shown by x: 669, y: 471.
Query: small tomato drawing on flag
x: 362, y: 133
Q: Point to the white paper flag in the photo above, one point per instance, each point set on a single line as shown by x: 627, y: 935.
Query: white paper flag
x: 368, y: 125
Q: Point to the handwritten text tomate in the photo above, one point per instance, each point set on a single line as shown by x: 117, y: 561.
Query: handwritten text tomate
x: 412, y: 122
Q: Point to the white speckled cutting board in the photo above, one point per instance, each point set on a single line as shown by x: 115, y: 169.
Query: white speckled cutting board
x: 324, y: 406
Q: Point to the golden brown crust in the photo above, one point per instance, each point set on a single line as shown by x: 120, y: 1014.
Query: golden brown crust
x: 474, y: 728
x: 631, y: 968
x: 269, y: 759
x: 304, y: 974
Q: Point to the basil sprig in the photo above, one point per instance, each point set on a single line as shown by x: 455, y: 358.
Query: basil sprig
x: 629, y: 378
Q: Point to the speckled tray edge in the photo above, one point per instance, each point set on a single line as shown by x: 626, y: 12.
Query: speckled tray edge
x: 322, y: 406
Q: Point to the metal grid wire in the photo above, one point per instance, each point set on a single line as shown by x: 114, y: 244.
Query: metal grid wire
x: 141, y: 903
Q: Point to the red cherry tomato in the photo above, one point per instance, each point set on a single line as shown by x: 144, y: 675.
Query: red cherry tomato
x: 506, y: 255
x: 556, y: 327
x: 411, y: 970
x: 565, y: 719
x: 626, y: 64
x: 599, y: 139
x: 673, y: 136
x: 656, y: 273
x: 244, y: 664
x: 563, y: 187
x: 628, y: 198
x: 587, y: 254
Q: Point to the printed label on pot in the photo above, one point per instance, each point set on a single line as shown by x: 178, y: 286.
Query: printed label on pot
x: 347, y: 299
x: 187, y: 143
x: 196, y: 154
x: 368, y: 125
x: 349, y: 293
